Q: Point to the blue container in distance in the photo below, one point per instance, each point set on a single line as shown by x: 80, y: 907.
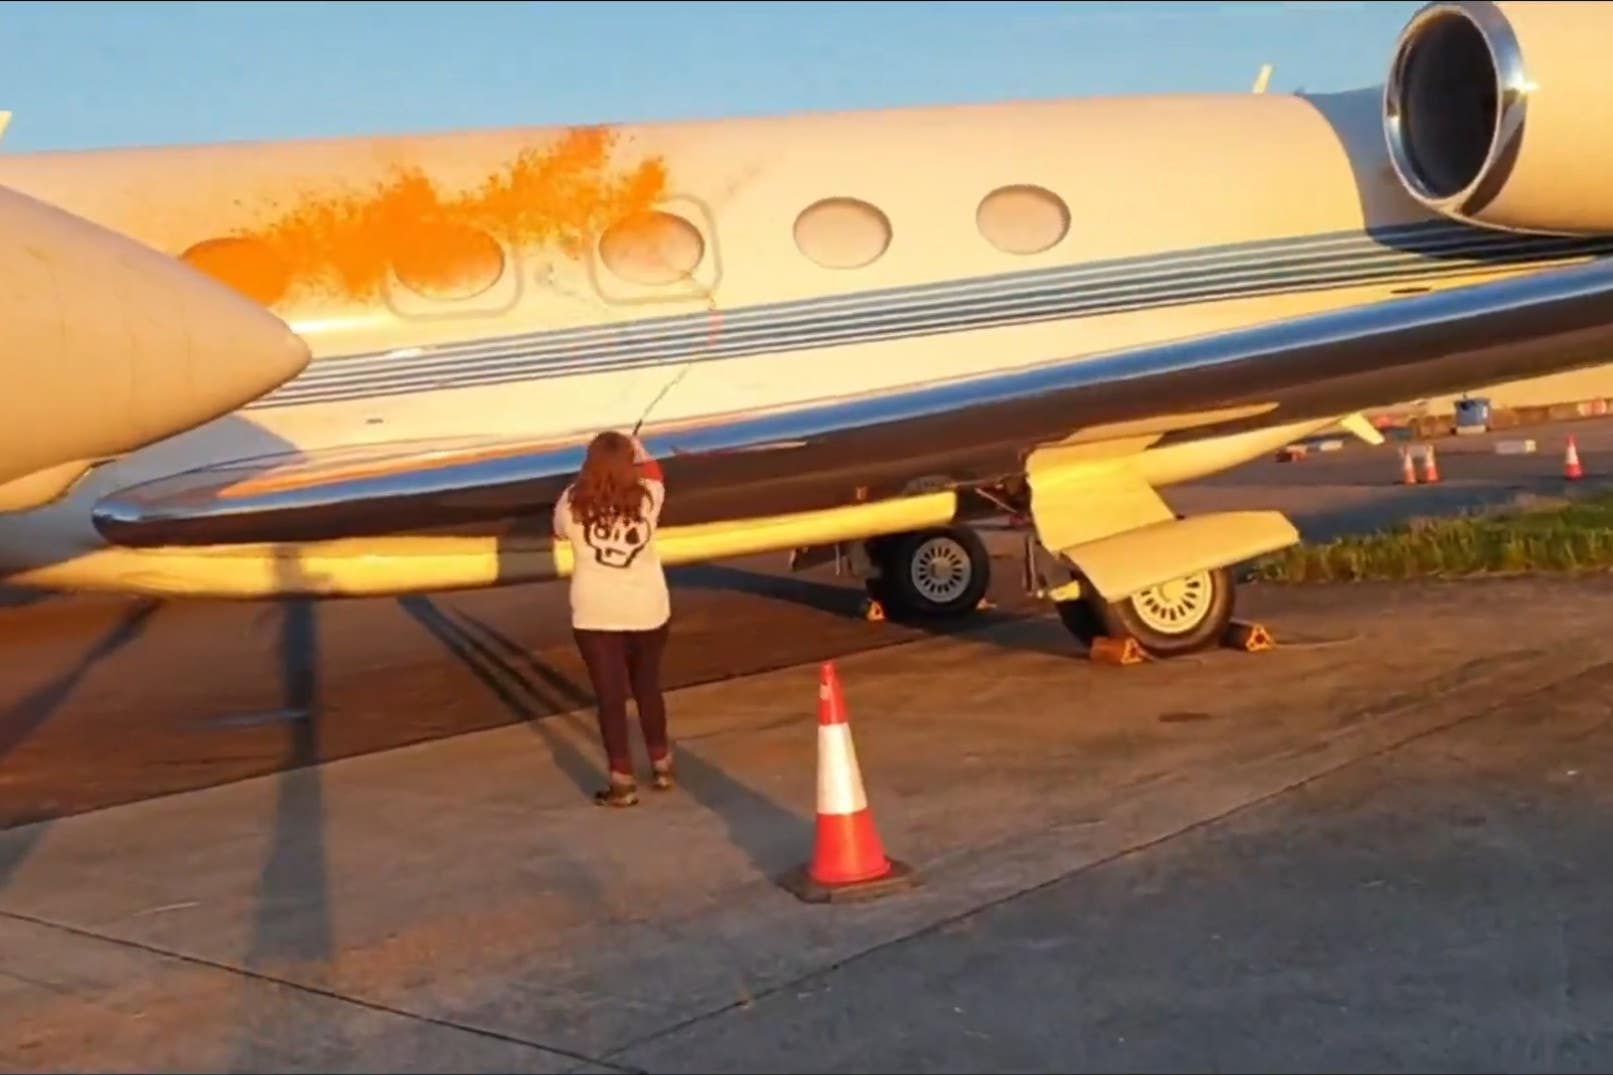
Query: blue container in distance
x: 1472, y: 415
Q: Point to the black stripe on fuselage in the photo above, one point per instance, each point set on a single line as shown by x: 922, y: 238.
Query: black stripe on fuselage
x: 1407, y: 255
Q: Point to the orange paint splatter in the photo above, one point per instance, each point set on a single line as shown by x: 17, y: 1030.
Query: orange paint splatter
x: 247, y: 265
x: 560, y: 197
x: 449, y: 261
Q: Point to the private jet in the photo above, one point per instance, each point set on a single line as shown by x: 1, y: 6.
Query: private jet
x: 361, y: 366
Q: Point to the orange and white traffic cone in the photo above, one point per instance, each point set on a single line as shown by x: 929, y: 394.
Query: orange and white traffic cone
x: 1571, y: 468
x: 1430, y: 467
x: 1408, y: 469
x: 848, y: 857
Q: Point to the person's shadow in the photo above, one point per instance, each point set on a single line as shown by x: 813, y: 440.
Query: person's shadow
x: 537, y: 694
x: 531, y: 691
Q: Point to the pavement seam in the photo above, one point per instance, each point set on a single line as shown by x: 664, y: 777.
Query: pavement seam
x: 1465, y: 716
x: 313, y: 990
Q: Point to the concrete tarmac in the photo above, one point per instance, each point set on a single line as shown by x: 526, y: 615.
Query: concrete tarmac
x: 108, y: 700
x: 1378, y: 846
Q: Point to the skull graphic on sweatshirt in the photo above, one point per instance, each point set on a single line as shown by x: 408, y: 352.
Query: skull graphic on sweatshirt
x: 617, y: 544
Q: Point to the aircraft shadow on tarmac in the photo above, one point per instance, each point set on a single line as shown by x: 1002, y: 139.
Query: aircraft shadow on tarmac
x: 20, y: 721
x: 291, y: 923
x: 1021, y: 627
x: 16, y: 846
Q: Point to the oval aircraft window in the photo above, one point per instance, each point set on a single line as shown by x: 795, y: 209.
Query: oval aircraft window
x: 448, y: 261
x: 652, y: 248
x: 842, y: 233
x: 1022, y: 219
x: 247, y: 265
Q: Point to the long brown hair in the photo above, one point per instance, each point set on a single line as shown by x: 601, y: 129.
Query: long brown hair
x: 608, y: 489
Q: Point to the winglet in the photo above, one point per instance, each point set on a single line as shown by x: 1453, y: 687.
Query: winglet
x: 1357, y: 424
x: 5, y: 120
x: 1263, y: 78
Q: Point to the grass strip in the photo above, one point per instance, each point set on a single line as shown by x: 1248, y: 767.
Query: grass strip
x: 1564, y: 538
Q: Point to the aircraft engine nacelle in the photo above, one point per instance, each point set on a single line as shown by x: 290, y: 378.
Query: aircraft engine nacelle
x: 1501, y: 114
x: 107, y: 345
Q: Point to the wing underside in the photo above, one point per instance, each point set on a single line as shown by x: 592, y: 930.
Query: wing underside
x: 831, y: 452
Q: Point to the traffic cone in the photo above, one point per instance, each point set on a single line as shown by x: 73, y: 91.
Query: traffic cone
x: 1408, y: 470
x: 1571, y: 468
x: 848, y: 857
x: 1430, y: 467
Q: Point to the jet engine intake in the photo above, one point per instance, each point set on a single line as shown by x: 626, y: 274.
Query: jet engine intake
x: 1500, y: 114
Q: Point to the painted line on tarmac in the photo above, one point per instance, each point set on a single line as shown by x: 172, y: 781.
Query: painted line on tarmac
x: 311, y: 990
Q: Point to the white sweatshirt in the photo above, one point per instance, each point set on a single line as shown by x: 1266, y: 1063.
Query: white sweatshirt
x: 617, y: 583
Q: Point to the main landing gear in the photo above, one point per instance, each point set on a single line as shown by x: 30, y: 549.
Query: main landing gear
x: 944, y: 573
x: 929, y: 574
x: 1172, y: 619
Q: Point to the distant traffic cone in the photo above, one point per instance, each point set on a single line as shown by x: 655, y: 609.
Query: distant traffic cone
x: 1408, y: 470
x: 1430, y: 467
x: 1571, y: 468
x: 848, y: 857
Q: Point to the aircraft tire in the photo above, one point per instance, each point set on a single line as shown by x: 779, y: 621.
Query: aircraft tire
x: 1183, y: 616
x: 940, y: 573
x: 1082, y: 619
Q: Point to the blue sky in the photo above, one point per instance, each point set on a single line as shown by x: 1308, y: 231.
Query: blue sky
x: 81, y: 74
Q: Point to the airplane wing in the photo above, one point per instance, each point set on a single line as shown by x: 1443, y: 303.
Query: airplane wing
x: 1315, y: 367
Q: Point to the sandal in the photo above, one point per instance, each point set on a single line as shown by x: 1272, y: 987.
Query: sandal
x: 663, y: 774
x: 617, y: 795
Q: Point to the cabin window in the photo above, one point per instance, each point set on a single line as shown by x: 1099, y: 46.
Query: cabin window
x: 842, y: 233
x: 247, y: 265
x: 1023, y: 219
x: 448, y: 261
x: 652, y: 248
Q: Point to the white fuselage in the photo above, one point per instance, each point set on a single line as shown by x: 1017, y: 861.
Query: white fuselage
x: 1171, y: 217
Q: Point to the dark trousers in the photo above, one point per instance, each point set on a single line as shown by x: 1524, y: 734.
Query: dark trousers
x: 619, y: 661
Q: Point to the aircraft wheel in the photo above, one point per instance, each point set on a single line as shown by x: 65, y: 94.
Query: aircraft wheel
x: 1082, y: 619
x: 932, y: 574
x: 1182, y: 616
